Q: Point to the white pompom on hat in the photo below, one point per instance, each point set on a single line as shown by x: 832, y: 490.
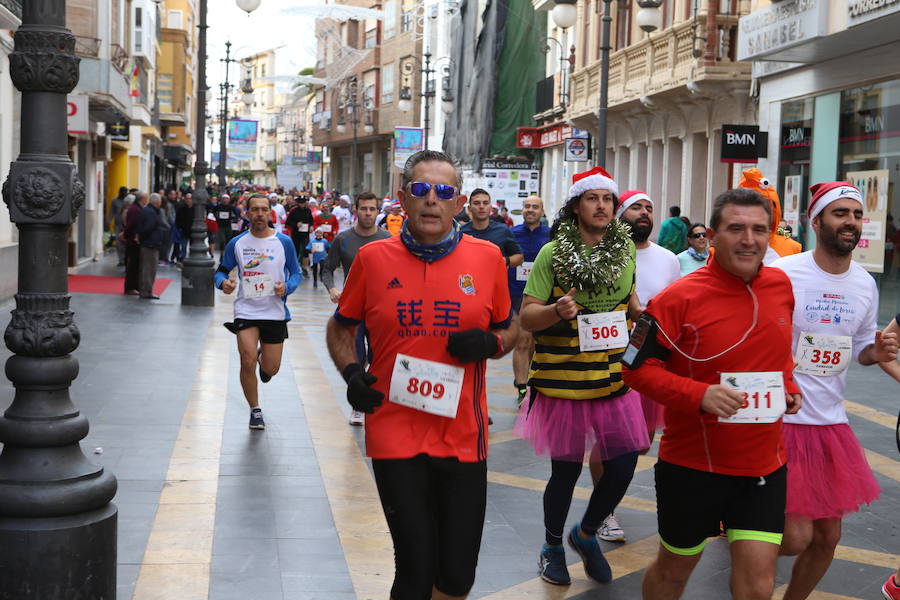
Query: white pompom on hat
x: 595, y: 179
x: 825, y: 193
x: 628, y: 198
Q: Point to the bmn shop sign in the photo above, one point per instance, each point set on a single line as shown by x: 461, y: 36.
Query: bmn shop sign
x: 743, y: 143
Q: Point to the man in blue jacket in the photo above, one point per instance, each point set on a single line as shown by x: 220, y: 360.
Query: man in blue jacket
x: 531, y: 236
x: 267, y: 272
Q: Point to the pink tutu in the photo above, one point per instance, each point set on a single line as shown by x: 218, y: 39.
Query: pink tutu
x: 828, y: 475
x: 654, y: 413
x: 564, y: 428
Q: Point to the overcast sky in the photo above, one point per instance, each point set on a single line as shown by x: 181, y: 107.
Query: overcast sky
x: 265, y: 28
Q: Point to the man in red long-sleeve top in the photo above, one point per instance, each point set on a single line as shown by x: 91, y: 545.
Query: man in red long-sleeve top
x: 717, y: 355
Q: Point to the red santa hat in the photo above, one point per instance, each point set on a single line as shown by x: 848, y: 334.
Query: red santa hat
x: 825, y: 193
x: 595, y: 179
x: 628, y: 198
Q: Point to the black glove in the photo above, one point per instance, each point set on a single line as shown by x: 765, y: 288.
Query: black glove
x: 360, y: 394
x: 472, y: 345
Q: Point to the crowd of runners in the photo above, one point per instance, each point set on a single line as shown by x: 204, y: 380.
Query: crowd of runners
x: 725, y: 337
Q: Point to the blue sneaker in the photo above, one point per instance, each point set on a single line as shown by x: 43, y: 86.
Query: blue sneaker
x: 552, y: 565
x: 595, y: 564
x: 256, y: 419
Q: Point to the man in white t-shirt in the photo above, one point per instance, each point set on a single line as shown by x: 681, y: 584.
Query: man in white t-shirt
x: 268, y: 272
x: 835, y: 311
x: 343, y: 214
x: 656, y: 266
x: 279, y: 214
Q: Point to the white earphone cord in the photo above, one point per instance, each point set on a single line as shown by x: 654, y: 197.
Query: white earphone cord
x: 738, y: 343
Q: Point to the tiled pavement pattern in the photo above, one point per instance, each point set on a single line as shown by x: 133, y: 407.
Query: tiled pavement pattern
x: 211, y: 510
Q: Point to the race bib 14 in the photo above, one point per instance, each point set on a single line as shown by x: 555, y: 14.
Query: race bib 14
x: 257, y: 286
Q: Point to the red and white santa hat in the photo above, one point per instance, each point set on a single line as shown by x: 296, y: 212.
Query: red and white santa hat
x: 628, y: 198
x: 595, y: 179
x: 827, y: 192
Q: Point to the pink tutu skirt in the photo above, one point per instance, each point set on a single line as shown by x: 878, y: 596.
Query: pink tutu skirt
x: 563, y: 428
x: 654, y: 413
x: 828, y: 475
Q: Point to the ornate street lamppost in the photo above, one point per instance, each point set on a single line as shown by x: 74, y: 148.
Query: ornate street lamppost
x: 648, y: 19
x: 57, y: 521
x: 427, y: 69
x: 197, y: 274
x: 350, y: 100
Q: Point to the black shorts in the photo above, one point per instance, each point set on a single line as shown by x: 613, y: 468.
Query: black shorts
x: 270, y: 332
x: 516, y: 303
x: 690, y: 504
x: 435, y: 510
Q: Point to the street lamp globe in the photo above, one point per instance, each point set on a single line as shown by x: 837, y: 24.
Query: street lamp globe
x: 341, y: 128
x: 404, y: 104
x: 368, y: 128
x: 248, y: 6
x: 247, y: 98
x: 447, y: 107
x: 649, y: 17
x: 564, y: 14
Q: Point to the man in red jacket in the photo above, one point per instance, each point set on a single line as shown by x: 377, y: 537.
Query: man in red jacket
x: 715, y: 349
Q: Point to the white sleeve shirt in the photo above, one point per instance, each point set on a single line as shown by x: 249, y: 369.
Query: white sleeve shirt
x: 828, y: 304
x: 656, y: 269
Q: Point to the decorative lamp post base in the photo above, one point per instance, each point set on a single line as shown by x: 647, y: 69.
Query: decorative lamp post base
x: 76, y: 556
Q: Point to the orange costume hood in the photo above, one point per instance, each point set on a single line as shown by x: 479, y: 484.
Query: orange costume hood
x: 754, y: 180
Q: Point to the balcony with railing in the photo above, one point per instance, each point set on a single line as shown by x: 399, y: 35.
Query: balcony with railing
x: 87, y: 46
x: 663, y: 62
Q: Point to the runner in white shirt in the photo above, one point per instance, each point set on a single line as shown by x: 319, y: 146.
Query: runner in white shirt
x: 343, y: 214
x: 280, y: 214
x: 836, y: 305
x: 268, y: 272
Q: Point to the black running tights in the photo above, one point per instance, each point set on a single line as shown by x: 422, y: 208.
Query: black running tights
x: 607, y: 494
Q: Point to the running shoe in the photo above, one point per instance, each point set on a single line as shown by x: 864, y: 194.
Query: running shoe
x: 552, y: 565
x: 256, y: 419
x: 890, y: 590
x: 595, y: 564
x: 610, y: 530
x: 356, y: 418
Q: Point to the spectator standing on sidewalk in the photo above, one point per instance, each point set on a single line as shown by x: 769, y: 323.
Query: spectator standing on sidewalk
x: 673, y: 232
x: 167, y: 223
x: 184, y: 220
x: 150, y: 236
x: 697, y: 253
x: 117, y: 222
x: 132, y: 248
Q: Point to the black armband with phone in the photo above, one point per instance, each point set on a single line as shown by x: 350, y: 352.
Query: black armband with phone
x: 643, y: 343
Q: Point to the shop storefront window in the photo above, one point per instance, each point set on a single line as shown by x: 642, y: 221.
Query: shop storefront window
x: 869, y: 157
x: 795, y: 145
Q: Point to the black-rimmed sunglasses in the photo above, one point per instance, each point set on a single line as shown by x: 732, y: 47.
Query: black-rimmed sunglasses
x: 694, y: 236
x: 420, y: 189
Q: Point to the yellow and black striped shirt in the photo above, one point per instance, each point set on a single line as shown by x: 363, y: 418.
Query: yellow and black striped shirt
x: 559, y: 368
